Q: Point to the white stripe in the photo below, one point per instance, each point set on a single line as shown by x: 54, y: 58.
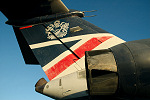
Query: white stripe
x: 68, y: 39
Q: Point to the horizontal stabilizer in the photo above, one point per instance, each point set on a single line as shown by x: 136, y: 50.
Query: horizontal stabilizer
x: 25, y: 9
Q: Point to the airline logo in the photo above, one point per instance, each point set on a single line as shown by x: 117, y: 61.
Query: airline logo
x: 60, y: 29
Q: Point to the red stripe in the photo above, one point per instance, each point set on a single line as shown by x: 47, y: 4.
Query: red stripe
x: 25, y: 27
x: 63, y: 64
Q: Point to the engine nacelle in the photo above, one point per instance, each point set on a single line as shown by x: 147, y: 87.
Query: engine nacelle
x: 120, y: 71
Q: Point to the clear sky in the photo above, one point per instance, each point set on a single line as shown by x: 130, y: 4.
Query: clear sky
x: 127, y: 19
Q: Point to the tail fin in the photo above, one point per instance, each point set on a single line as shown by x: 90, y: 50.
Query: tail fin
x: 57, y: 41
x: 54, y: 55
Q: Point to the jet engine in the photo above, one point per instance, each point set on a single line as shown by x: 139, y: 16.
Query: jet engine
x: 122, y: 71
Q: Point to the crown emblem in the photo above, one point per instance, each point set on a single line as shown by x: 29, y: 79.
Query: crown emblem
x: 60, y: 29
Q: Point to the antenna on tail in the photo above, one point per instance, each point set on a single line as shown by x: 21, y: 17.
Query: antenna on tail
x: 90, y: 11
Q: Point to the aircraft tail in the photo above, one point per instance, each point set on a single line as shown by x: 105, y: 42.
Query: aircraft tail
x: 57, y: 41
x: 58, y: 44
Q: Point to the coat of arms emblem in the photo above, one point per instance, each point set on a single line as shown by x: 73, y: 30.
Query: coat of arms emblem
x: 60, y: 29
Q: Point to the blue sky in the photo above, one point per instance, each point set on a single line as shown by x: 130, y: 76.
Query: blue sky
x: 127, y: 19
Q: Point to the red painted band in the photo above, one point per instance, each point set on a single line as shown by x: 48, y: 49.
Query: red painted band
x: 25, y: 27
x: 63, y: 64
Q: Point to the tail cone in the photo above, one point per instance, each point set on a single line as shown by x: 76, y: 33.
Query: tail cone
x: 39, y: 86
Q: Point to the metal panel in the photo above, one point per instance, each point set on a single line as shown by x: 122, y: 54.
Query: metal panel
x: 141, y: 53
x: 126, y: 70
x: 102, y: 71
x: 133, y: 63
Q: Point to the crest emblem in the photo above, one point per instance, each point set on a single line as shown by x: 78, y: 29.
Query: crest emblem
x: 60, y: 29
